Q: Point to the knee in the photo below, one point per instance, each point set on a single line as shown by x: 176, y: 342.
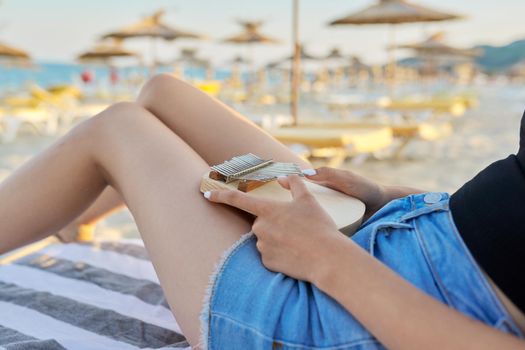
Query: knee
x: 114, y: 121
x: 158, y: 86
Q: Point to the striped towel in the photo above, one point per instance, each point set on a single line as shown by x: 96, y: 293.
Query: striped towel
x: 102, y: 295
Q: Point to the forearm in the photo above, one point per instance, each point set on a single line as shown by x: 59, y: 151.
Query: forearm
x: 108, y: 202
x: 397, y: 313
x: 394, y: 192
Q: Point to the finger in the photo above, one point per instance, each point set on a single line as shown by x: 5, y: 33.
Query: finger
x: 297, y: 187
x: 283, y: 181
x: 237, y: 199
x: 330, y: 177
x: 319, y: 174
x: 309, y: 172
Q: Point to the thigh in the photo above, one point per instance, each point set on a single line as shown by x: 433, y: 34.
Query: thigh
x: 158, y: 176
x: 215, y: 131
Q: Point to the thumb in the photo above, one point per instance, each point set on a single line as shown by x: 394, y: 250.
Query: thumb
x: 330, y: 177
x: 283, y: 181
x: 320, y: 174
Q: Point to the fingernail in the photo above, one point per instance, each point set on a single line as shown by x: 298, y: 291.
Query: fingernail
x: 309, y: 172
x: 282, y: 176
x: 207, y: 194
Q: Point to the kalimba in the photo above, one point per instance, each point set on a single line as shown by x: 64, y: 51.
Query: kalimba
x: 252, y: 174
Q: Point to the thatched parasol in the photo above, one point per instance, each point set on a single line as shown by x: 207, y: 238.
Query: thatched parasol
x: 251, y: 34
x: 189, y: 57
x: 152, y: 27
x: 435, y: 45
x: 394, y: 12
x: 304, y: 56
x: 334, y: 53
x: 238, y: 60
x: 434, y: 51
x: 14, y: 53
x: 104, y: 52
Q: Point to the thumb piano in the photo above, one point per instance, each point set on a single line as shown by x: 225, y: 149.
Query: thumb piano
x: 256, y: 176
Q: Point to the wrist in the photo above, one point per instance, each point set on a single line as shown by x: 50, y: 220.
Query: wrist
x: 325, y: 265
x: 382, y: 196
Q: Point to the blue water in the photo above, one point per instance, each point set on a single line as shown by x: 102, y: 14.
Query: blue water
x: 47, y: 74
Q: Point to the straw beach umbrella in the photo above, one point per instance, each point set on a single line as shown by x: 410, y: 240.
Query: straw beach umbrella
x: 435, y: 45
x: 394, y: 12
x: 104, y: 52
x: 305, y: 58
x: 434, y: 51
x: 239, y: 60
x: 251, y: 34
x: 152, y: 27
x: 188, y: 56
x: 11, y: 52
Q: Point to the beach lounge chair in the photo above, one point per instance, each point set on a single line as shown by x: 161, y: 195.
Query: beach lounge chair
x: 405, y: 133
x: 46, y: 112
x: 336, y: 143
x: 99, y: 295
x: 41, y: 120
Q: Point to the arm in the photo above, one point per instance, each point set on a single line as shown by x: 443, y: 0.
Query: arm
x: 397, y: 313
x: 300, y: 240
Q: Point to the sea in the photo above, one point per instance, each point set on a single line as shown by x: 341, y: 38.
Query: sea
x: 47, y: 74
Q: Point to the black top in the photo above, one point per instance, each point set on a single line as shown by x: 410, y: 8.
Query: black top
x: 489, y: 212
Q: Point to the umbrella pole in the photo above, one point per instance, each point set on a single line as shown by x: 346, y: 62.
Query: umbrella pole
x: 392, y: 60
x: 153, y: 50
x: 295, y: 73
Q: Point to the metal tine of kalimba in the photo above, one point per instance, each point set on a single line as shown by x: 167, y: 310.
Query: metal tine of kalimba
x: 245, y: 162
x: 228, y: 165
x: 251, y: 160
x: 221, y: 168
x: 225, y: 169
x: 230, y: 168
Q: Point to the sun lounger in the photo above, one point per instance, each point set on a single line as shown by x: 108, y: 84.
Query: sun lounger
x: 47, y: 112
x: 336, y: 143
x: 41, y: 120
x: 405, y: 133
x: 100, y: 295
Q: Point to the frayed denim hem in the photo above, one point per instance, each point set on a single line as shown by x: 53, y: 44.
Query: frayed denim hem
x: 210, y: 289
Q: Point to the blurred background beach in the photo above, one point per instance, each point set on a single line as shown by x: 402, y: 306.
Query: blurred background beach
x: 423, y: 93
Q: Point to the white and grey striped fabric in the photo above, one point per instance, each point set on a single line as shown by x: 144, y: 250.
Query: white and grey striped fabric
x: 92, y: 296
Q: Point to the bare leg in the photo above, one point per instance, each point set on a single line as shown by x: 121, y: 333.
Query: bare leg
x: 83, y: 227
x: 158, y: 176
x: 215, y: 131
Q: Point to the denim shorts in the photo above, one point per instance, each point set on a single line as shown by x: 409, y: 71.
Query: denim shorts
x: 249, y: 307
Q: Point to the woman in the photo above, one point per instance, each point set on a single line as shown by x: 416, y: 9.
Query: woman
x: 422, y: 289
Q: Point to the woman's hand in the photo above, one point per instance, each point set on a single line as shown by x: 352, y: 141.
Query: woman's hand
x: 369, y: 192
x: 291, y: 236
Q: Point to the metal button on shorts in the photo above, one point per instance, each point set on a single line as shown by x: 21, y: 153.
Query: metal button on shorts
x: 432, y: 198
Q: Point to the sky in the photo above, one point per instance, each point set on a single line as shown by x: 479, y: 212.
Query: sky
x: 58, y: 30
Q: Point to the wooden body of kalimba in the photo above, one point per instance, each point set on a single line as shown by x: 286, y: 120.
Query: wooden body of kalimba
x: 347, y: 212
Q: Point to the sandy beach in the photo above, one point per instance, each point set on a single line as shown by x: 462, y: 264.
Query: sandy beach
x: 483, y: 135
